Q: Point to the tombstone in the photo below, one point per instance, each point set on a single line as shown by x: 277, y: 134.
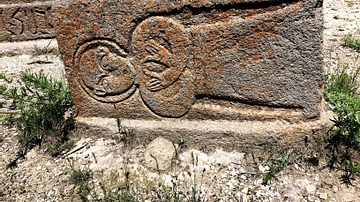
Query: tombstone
x: 187, y: 60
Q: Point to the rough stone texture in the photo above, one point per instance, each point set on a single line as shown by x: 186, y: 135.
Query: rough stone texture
x: 20, y: 1
x: 193, y: 60
x: 21, y: 20
x: 159, y: 154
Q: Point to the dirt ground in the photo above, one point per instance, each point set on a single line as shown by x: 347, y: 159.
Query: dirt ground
x: 218, y: 175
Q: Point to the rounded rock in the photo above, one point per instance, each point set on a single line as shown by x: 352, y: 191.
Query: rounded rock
x: 159, y: 154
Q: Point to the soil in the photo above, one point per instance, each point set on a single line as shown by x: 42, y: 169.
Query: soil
x: 216, y: 176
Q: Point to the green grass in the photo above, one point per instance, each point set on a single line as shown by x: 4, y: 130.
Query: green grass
x: 344, y: 136
x: 351, y: 42
x: 8, y: 38
x: 276, y: 165
x: 45, y: 50
x: 40, y: 104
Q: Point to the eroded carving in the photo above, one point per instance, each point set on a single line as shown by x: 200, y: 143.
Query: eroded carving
x: 161, y: 50
x: 173, y: 66
x: 166, y: 84
x: 104, y: 72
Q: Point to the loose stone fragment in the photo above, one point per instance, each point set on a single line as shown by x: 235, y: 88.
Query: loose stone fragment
x: 159, y: 154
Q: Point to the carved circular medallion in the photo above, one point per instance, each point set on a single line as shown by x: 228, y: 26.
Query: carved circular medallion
x: 104, y: 72
x: 161, y: 48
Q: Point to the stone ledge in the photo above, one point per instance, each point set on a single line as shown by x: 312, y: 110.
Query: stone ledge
x: 216, y: 134
x: 21, y: 47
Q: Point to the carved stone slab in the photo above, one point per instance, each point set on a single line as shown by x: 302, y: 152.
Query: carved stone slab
x: 193, y: 59
x: 25, y: 21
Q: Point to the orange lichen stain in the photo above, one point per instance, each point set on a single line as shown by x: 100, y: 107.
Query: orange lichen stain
x: 150, y: 4
x: 297, y: 5
x: 270, y: 52
x: 249, y: 13
x: 71, y: 12
x: 220, y: 16
x: 245, y: 62
x: 256, y: 57
x: 101, y: 5
x: 94, y: 28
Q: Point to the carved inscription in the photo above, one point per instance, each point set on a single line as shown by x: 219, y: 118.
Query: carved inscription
x: 27, y: 22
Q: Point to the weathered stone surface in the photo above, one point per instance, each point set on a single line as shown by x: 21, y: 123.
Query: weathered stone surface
x: 20, y: 1
x: 210, y: 134
x: 25, y: 21
x: 193, y: 60
x: 159, y: 154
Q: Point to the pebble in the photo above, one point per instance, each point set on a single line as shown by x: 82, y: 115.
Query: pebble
x: 335, y: 189
x: 323, y: 196
x: 310, y: 188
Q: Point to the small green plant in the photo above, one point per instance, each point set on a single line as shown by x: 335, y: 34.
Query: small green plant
x: 111, y: 190
x: 40, y: 104
x: 350, y: 3
x: 127, y: 134
x: 8, y: 38
x: 22, y: 189
x: 2, y: 193
x: 45, y: 50
x: 276, y: 166
x: 61, y: 192
x: 351, y: 42
x: 81, y: 179
x: 57, y: 147
x: 12, y: 174
x: 344, y: 136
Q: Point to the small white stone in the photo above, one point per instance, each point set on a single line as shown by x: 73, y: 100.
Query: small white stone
x: 258, y: 182
x: 245, y: 190
x: 262, y: 168
x: 323, y: 196
x: 310, y: 188
x: 335, y: 189
x: 296, y: 166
